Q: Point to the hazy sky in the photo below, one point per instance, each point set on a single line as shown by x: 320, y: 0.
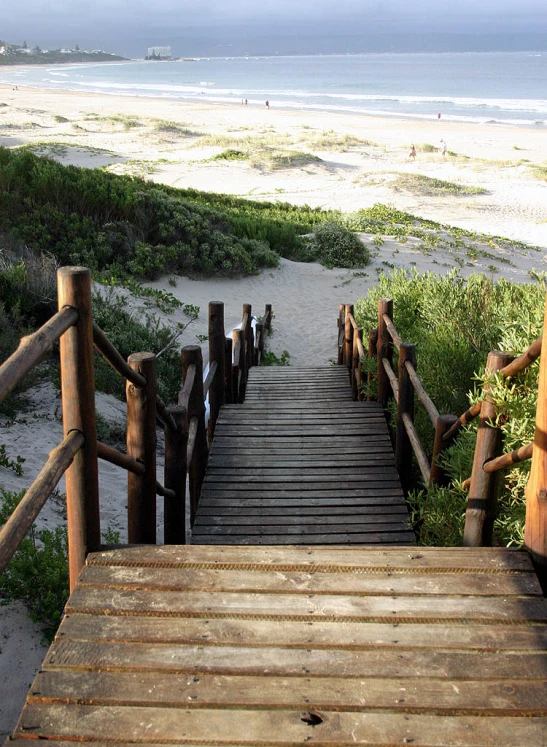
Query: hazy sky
x: 50, y: 22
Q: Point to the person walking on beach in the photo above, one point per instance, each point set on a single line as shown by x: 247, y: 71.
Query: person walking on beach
x: 439, y: 115
x: 443, y: 148
x: 412, y: 153
x: 267, y: 104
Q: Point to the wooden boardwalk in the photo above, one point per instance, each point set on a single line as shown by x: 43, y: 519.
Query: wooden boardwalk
x: 284, y: 646
x: 301, y: 463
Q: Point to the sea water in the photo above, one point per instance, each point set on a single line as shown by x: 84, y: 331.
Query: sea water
x: 500, y: 87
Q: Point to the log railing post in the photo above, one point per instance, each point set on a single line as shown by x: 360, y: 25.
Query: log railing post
x: 437, y: 475
x: 240, y: 372
x: 78, y: 398
x: 348, y: 336
x: 260, y: 338
x: 249, y: 337
x: 372, y: 353
x: 535, y: 533
x: 191, y: 354
x: 268, y: 317
x: 482, y: 500
x: 217, y: 350
x: 228, y: 376
x: 141, y: 445
x: 384, y: 350
x: 340, y: 347
x: 403, y: 447
x: 174, y: 515
x: 356, y: 365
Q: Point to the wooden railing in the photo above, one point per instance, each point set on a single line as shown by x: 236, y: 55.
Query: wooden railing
x: 404, y: 385
x: 186, y: 444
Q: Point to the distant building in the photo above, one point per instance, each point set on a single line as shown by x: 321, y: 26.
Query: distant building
x: 24, y: 50
x: 163, y: 52
x: 3, y: 50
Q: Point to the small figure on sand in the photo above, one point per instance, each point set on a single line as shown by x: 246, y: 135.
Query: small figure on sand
x: 443, y: 148
x: 246, y: 102
x: 267, y: 104
x: 412, y: 153
x: 439, y: 115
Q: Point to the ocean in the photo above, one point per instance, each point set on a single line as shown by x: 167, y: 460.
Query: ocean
x: 496, y: 87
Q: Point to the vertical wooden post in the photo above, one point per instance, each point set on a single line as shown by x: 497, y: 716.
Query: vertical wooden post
x: 260, y: 332
x: 176, y: 442
x: 437, y: 474
x: 78, y: 397
x: 249, y: 337
x: 340, y: 344
x: 372, y: 353
x: 535, y: 533
x: 384, y: 349
x: 268, y: 317
x: 216, y: 353
x: 240, y: 375
x: 482, y: 500
x: 191, y: 354
x: 228, y: 376
x: 348, y: 336
x: 356, y: 365
x: 403, y: 447
x: 141, y: 445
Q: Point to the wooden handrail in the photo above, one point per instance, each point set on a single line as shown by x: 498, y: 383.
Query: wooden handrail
x: 524, y: 360
x: 184, y: 394
x: 162, y: 412
x: 421, y: 393
x: 392, y: 378
x: 210, y: 376
x: 112, y: 356
x: 360, y: 348
x: 352, y: 320
x: 33, y: 348
x: 395, y: 336
x: 508, y: 460
x: 464, y: 419
x: 19, y: 523
x: 119, y: 459
x: 421, y: 456
x: 192, y: 435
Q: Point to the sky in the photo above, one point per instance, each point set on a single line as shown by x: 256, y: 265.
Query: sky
x: 127, y: 26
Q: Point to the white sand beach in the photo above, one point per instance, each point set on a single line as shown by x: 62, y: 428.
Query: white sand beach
x: 356, y: 161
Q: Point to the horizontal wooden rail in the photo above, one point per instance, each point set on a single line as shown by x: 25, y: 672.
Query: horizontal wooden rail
x: 421, y: 457
x: 464, y: 419
x: 163, y: 414
x: 111, y: 354
x: 21, y: 520
x: 184, y: 394
x: 397, y: 339
x: 165, y: 492
x: 192, y: 434
x: 119, y: 459
x: 421, y: 393
x: 209, y: 378
x: 524, y: 360
x: 392, y: 378
x: 33, y: 348
x: 507, y: 460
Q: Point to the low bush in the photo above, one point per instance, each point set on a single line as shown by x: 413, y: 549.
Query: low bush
x: 335, y: 246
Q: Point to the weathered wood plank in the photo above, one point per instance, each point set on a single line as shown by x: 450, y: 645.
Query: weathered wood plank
x: 384, y: 584
x: 409, y: 695
x: 303, y: 634
x: 287, y: 606
x: 290, y: 727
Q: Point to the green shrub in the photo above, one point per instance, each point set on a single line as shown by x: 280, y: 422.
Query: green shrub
x: 335, y: 246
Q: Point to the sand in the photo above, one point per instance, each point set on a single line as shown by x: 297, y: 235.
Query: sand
x: 164, y: 141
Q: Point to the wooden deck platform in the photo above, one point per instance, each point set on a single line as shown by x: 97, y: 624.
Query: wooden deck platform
x: 248, y: 646
x: 301, y: 463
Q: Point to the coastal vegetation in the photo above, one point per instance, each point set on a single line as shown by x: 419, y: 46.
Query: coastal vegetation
x: 426, y: 185
x: 455, y: 322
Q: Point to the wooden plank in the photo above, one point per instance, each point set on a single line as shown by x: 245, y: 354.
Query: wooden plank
x: 299, y: 527
x: 409, y: 695
x: 459, y: 559
x: 114, y: 656
x: 377, y: 538
x: 303, y: 634
x: 289, y: 606
x: 207, y: 509
x: 325, y: 501
x: 289, y: 727
x: 383, y: 584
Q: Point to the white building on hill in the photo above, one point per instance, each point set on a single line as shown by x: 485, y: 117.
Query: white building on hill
x: 159, y: 51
